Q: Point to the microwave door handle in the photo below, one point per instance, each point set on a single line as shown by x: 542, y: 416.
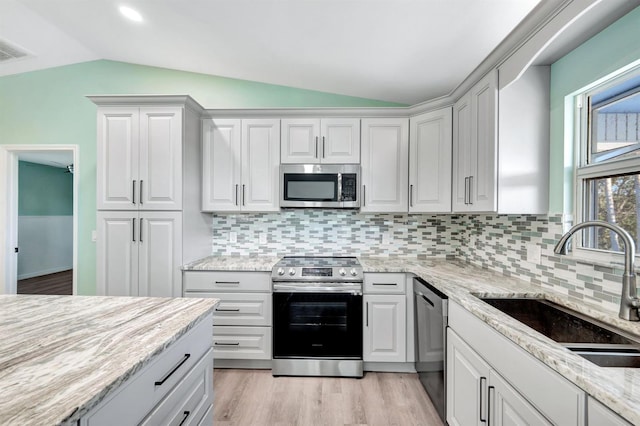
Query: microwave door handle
x: 339, y: 198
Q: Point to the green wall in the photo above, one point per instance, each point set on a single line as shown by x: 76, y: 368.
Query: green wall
x: 44, y: 190
x: 50, y: 107
x: 616, y: 46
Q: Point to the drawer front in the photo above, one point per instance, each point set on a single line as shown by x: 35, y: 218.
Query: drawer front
x: 242, y: 309
x: 207, y: 281
x: 189, y: 401
x: 386, y: 283
x: 139, y: 394
x: 241, y: 342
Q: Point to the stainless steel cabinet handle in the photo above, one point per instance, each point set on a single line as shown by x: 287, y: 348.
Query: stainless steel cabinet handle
x: 227, y: 282
x: 236, y: 194
x: 141, y: 192
x: 141, y: 219
x: 173, y: 370
x: 133, y: 229
x: 226, y: 344
x: 133, y: 192
x: 323, y: 147
x: 227, y: 310
x: 470, y: 186
x: 364, y: 193
x: 393, y: 284
x: 410, y: 195
x: 185, y: 417
x: 483, y: 382
x: 243, y: 200
x: 316, y: 156
x: 367, y: 315
x: 466, y: 186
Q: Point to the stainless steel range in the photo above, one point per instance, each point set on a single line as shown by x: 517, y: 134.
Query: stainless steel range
x: 317, y: 317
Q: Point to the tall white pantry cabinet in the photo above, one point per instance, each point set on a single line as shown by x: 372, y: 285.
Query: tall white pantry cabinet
x: 145, y: 194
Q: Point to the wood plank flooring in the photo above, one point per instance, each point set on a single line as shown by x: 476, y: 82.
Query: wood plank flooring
x: 255, y: 397
x: 58, y: 283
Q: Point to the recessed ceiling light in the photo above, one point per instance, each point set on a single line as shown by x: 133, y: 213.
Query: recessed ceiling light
x: 132, y: 14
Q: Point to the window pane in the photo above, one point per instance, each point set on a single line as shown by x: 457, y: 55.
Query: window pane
x: 614, y: 123
x: 612, y: 199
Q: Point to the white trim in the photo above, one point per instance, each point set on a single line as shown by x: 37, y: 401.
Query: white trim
x: 9, y: 210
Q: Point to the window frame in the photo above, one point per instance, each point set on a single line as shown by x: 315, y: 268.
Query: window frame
x: 584, y: 171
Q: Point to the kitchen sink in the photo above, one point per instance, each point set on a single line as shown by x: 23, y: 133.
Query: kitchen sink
x: 593, y: 340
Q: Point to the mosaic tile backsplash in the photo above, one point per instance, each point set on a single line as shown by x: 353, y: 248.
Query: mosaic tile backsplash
x: 496, y: 242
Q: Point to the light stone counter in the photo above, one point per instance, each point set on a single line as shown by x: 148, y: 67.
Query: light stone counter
x: 617, y: 388
x: 61, y: 355
x: 232, y: 263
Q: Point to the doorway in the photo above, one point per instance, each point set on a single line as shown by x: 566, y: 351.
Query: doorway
x: 39, y: 208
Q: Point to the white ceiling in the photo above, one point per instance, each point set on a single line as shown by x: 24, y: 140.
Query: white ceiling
x: 53, y: 158
x: 405, y: 51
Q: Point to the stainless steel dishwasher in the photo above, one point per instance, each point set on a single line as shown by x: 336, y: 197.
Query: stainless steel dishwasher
x: 431, y: 311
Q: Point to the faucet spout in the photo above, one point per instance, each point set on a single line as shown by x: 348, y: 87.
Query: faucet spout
x: 629, y: 302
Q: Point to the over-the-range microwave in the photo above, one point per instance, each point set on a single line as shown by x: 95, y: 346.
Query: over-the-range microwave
x: 320, y: 186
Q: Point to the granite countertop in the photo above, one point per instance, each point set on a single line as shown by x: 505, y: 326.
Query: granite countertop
x: 61, y: 355
x: 617, y: 388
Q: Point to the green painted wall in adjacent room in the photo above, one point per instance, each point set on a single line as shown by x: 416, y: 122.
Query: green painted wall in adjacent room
x: 50, y: 107
x: 44, y: 190
x: 604, y: 53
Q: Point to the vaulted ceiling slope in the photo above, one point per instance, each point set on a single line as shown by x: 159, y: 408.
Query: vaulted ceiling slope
x: 405, y: 51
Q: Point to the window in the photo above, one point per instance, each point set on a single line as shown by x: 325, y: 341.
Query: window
x: 608, y: 172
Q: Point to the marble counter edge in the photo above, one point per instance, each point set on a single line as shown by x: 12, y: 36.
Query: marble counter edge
x: 97, y: 398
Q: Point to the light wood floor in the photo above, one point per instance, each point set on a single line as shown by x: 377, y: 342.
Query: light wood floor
x: 255, y: 397
x: 58, y: 283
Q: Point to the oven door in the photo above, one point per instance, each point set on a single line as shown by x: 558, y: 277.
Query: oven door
x: 317, y: 325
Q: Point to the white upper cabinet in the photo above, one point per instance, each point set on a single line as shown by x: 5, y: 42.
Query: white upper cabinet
x: 139, y: 158
x: 240, y: 165
x: 430, y: 162
x: 315, y: 141
x: 385, y: 165
x: 501, y: 146
x: 475, y: 123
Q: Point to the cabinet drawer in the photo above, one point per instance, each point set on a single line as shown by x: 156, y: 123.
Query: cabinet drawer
x: 206, y: 281
x: 140, y: 393
x: 241, y: 342
x: 242, y: 309
x: 189, y: 401
x: 384, y: 283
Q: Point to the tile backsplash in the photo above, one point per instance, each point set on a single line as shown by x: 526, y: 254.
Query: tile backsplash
x: 496, y: 242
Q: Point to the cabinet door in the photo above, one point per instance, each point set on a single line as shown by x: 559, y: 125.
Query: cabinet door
x: 484, y: 125
x: 260, y: 165
x: 221, y: 165
x: 599, y: 415
x: 340, y: 140
x: 160, y: 254
x: 117, y: 158
x: 507, y: 407
x: 461, y: 153
x: 160, y: 186
x: 385, y: 165
x: 384, y: 337
x: 467, y: 376
x: 300, y: 141
x: 430, y: 162
x: 117, y: 253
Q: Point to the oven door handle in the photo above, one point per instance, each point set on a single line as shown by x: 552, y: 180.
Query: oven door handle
x: 292, y: 288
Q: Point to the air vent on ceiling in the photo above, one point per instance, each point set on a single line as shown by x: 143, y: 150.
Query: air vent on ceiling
x: 9, y: 52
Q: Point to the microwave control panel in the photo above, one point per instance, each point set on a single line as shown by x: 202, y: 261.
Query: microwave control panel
x: 349, y: 187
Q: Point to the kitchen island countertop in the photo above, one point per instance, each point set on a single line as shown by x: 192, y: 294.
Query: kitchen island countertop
x: 61, y: 355
x: 463, y: 283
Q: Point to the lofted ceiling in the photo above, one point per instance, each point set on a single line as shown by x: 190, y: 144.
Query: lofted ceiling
x: 405, y: 51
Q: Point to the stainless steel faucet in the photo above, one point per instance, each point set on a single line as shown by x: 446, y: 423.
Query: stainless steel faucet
x: 629, y: 302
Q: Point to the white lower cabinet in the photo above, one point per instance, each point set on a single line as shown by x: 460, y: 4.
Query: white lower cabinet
x: 492, y: 381
x: 599, y: 415
x: 242, y: 320
x: 175, y: 388
x: 385, y: 318
x: 139, y: 253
